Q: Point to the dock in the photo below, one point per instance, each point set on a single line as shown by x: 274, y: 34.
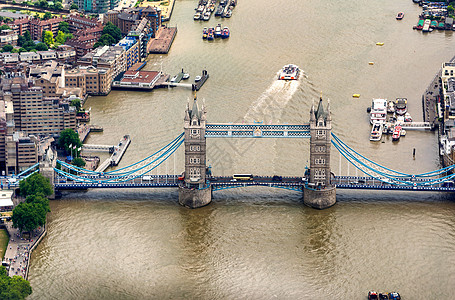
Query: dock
x: 83, y: 130
x: 197, y: 85
x: 162, y: 43
x: 117, y: 154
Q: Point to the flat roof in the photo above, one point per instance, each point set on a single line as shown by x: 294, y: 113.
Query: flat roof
x: 6, y: 197
x: 142, y: 76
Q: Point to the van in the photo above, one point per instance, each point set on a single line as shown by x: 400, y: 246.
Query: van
x: 147, y: 177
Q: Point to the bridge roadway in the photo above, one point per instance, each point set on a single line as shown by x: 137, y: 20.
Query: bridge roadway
x: 227, y: 182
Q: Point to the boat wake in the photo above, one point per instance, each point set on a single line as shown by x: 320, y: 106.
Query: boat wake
x: 270, y: 104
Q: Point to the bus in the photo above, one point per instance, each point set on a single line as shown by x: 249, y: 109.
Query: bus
x: 242, y: 176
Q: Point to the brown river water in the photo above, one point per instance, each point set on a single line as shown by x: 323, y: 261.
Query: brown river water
x: 261, y: 243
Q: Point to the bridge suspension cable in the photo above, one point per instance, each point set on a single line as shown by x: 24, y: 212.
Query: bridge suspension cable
x: 142, y: 167
x: 388, y: 175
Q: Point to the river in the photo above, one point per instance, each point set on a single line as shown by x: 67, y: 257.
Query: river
x: 261, y: 243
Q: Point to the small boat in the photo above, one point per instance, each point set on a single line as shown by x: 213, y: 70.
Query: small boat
x: 197, y: 78
x: 206, y: 16
x: 383, y: 296
x: 204, y: 33
x: 355, y: 95
x: 197, y: 16
x: 396, y: 133
x: 371, y: 63
x: 210, y: 34
x: 403, y: 132
x: 376, y: 131
x: 379, y: 44
x: 401, y: 106
x: 225, y: 33
x: 289, y: 72
x: 407, y: 117
x: 378, y: 112
x: 174, y: 79
x: 400, y: 15
x: 394, y: 296
x: 218, y: 30
x: 372, y: 295
x: 219, y: 11
x: 390, y: 107
x: 228, y: 14
x: 426, y: 25
x: 186, y: 76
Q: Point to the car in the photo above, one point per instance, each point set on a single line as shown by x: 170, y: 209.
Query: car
x: 277, y: 178
x: 354, y: 182
x: 233, y: 180
x: 361, y: 181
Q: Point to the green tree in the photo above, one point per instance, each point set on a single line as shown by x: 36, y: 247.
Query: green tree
x: 22, y: 50
x: 60, y: 39
x: 57, y: 5
x: 7, y: 48
x: 29, y: 45
x: 113, y: 31
x: 107, y: 39
x: 69, y: 137
x: 4, y: 27
x: 15, y: 50
x: 40, y: 199
x: 27, y: 35
x: 64, y: 27
x: 78, y: 162
x: 74, y: 6
x: 41, y: 47
x: 26, y: 217
x: 14, y: 287
x: 450, y: 9
x: 76, y: 103
x: 47, y: 16
x: 35, y: 184
x: 48, y: 38
x: 21, y: 40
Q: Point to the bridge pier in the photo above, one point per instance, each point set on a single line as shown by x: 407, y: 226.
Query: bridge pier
x: 320, y: 199
x: 194, y: 197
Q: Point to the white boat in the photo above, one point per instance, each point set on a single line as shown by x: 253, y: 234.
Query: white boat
x: 197, y: 16
x: 376, y: 131
x: 407, y: 117
x: 174, y: 79
x: 390, y: 107
x: 218, y: 30
x: 289, y: 72
x: 378, y: 112
x: 197, y: 78
x: 185, y: 76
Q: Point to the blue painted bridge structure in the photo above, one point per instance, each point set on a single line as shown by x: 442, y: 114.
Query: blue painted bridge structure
x: 195, y: 184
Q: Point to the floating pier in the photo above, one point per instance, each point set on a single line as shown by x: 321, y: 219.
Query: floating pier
x: 200, y: 83
x: 117, y: 154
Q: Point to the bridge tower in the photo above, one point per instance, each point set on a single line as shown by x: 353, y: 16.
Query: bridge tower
x: 195, y: 190
x: 320, y: 193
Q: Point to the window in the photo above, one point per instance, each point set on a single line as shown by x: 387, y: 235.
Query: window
x: 195, y: 160
x: 195, y: 148
x: 320, y: 134
x: 195, y: 132
x: 320, y: 148
x: 319, y: 161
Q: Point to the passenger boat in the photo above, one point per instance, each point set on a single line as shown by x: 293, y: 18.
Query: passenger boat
x: 401, y: 106
x: 228, y: 14
x: 372, y: 295
x: 289, y: 72
x: 204, y: 33
x: 407, y: 117
x: 390, y: 107
x: 376, y: 131
x: 225, y: 33
x: 218, y: 30
x: 206, y: 16
x: 378, y: 112
x: 420, y: 25
x: 396, y: 133
x: 219, y: 11
x: 174, y: 79
x: 400, y: 15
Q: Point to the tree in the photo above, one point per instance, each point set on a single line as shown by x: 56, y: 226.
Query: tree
x: 78, y: 162
x: 107, y: 39
x: 7, y: 48
x: 48, y: 38
x: 27, y: 216
x: 14, y: 51
x: 60, y: 39
x: 64, y: 27
x: 57, y: 5
x: 27, y: 35
x: 36, y: 184
x: 22, y: 50
x: 76, y: 103
x: 14, y: 287
x: 47, y: 16
x: 21, y: 40
x: 74, y: 6
x: 69, y: 137
x: 41, y: 47
x: 113, y: 31
x: 4, y: 27
x: 29, y: 45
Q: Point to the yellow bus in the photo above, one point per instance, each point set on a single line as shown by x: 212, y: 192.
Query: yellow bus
x: 242, y: 176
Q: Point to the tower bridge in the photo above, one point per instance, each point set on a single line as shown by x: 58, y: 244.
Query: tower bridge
x: 195, y: 185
